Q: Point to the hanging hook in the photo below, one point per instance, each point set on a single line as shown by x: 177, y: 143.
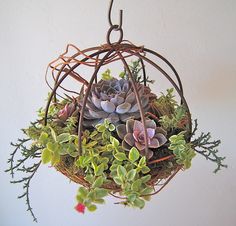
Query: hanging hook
x: 109, y: 17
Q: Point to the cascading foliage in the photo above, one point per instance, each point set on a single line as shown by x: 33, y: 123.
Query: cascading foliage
x: 113, y: 159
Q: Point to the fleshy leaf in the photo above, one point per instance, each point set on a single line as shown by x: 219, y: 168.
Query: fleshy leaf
x: 46, y: 156
x: 134, y: 154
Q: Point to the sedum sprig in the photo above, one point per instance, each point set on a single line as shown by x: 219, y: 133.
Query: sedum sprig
x: 208, y: 148
x: 33, y: 152
x: 135, y: 68
x: 26, y: 184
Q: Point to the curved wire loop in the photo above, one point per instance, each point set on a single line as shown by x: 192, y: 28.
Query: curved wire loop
x: 109, y: 17
x: 114, y: 27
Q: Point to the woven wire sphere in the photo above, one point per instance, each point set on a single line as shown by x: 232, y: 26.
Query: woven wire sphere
x: 70, y: 65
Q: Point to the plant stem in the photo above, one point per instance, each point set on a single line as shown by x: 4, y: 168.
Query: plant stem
x: 161, y: 159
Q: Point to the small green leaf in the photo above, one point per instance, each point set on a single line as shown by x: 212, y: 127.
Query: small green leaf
x: 112, y: 127
x: 91, y: 144
x: 79, y: 199
x: 82, y: 192
x: 100, y: 192
x: 145, y: 169
x: 121, y: 172
x: 53, y: 133
x: 104, y: 160
x: 139, y: 203
x: 133, y: 154
x: 147, y: 197
x: 55, y: 158
x: 98, y: 182
x: 92, y: 208
x: 53, y: 147
x: 101, y: 128
x: 89, y: 178
x: 46, y: 156
x: 126, y: 187
x: 146, y: 178
x: 43, y: 138
x: 105, y: 135
x: 114, y: 141
x: 131, y: 174
x: 71, y: 150
x: 147, y: 191
x: 120, y: 156
x: 87, y: 202
x: 131, y: 197
x: 113, y: 167
x: 95, y: 167
x: 107, y: 75
x: 93, y: 134
x: 99, y: 201
x: 99, y: 170
x: 122, y: 74
x: 79, y: 162
x: 63, y: 138
x: 136, y: 185
x: 142, y: 161
x: 86, y: 160
x: 113, y: 173
x: 91, y: 196
x: 117, y: 180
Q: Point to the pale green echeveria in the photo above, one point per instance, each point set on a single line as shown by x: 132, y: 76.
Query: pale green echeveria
x: 114, y: 100
x: 132, y: 135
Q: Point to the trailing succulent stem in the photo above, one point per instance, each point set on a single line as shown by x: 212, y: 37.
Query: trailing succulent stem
x: 208, y: 148
x: 11, y: 159
x: 26, y: 184
x: 27, y: 153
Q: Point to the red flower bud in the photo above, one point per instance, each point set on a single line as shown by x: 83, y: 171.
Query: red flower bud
x: 80, y: 207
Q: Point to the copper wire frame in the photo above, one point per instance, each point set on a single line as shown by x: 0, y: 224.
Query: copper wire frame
x: 67, y: 65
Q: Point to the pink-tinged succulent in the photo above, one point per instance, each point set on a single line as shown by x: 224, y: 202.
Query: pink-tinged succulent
x: 67, y: 111
x: 80, y: 207
x: 132, y: 135
x: 115, y: 100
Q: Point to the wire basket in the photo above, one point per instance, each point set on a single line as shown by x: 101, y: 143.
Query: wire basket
x: 95, y: 58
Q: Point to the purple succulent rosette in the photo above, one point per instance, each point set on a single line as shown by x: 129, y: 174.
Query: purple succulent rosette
x: 132, y: 135
x: 67, y: 111
x: 115, y: 100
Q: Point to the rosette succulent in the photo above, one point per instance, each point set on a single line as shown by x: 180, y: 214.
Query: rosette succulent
x: 115, y: 100
x: 132, y: 135
x: 69, y: 110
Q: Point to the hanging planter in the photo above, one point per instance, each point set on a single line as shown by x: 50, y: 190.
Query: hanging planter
x: 115, y: 136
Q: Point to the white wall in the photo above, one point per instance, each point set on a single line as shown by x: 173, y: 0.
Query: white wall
x: 198, y: 37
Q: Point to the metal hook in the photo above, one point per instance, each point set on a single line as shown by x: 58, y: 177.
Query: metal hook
x: 109, y: 16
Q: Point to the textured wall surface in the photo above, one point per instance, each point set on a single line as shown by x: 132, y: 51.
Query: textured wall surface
x: 198, y: 37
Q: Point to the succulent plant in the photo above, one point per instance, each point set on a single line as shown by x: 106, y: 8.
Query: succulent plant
x: 69, y: 110
x: 115, y: 100
x: 132, y: 135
